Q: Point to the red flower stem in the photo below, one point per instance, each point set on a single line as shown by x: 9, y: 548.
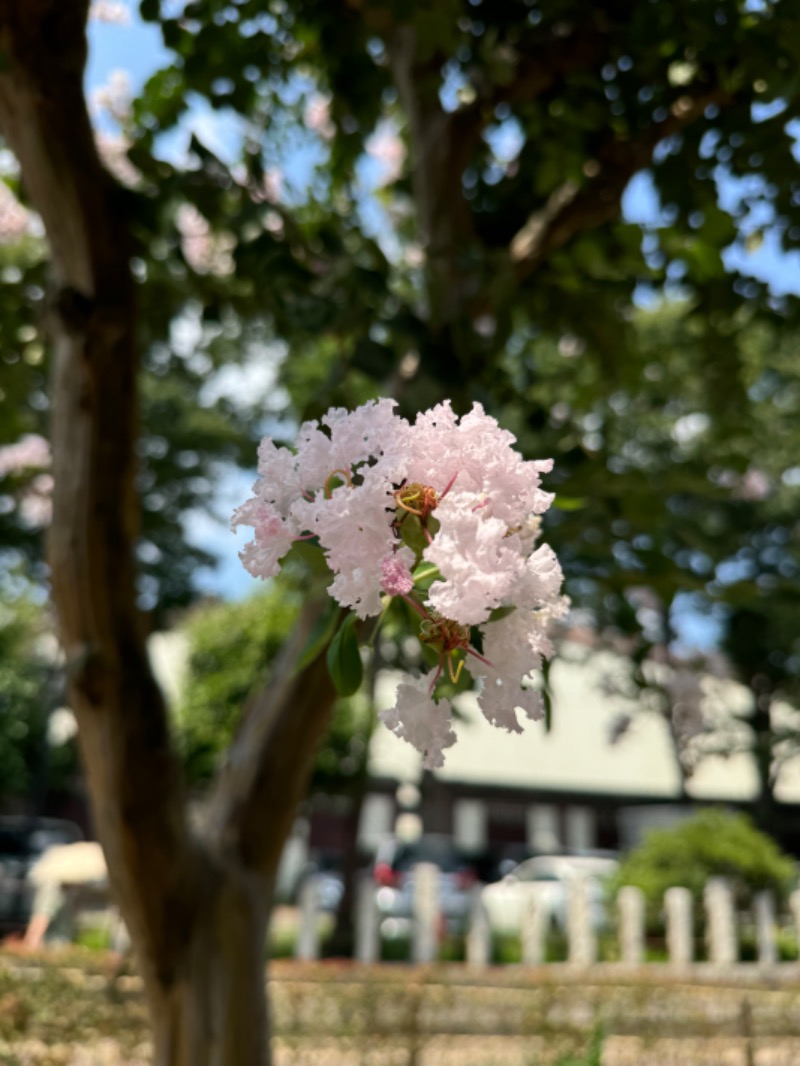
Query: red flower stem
x: 413, y: 603
x: 437, y: 675
x: 471, y: 651
x: 448, y: 486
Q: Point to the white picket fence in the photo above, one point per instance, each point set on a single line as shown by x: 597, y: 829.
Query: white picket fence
x: 722, y: 925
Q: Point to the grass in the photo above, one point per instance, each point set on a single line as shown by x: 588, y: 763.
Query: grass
x: 93, y: 938
x: 592, y: 1056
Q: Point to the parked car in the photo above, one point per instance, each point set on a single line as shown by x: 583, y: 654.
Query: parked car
x: 22, y: 843
x: 548, y: 877
x: 393, y: 872
x: 327, y: 875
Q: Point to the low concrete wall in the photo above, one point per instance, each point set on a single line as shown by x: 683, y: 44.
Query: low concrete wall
x: 341, y: 1014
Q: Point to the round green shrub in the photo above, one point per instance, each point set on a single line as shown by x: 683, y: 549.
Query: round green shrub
x: 713, y: 843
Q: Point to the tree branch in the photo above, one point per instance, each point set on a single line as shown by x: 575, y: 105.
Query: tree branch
x: 132, y: 773
x: 572, y: 209
x: 442, y: 144
x: 537, y: 70
x: 266, y: 771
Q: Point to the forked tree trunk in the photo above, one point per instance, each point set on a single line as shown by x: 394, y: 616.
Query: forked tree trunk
x: 212, y: 1011
x: 196, y: 904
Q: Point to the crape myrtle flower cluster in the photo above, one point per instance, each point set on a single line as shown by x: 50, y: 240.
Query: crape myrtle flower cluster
x: 442, y: 513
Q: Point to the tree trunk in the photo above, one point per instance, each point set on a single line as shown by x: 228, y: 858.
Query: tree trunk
x: 213, y: 1010
x: 342, y: 938
x: 765, y: 808
x: 196, y: 905
x: 442, y: 144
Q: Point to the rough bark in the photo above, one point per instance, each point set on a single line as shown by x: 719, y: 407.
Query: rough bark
x: 442, y: 144
x: 196, y: 904
x: 132, y: 776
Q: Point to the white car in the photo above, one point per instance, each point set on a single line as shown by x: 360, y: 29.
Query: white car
x: 548, y: 877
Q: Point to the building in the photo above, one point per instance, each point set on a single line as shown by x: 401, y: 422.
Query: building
x: 574, y: 787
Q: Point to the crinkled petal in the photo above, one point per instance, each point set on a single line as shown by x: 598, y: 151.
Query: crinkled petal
x: 396, y: 577
x: 514, y: 646
x: 273, y: 537
x: 541, y: 579
x: 421, y: 721
x: 480, y: 566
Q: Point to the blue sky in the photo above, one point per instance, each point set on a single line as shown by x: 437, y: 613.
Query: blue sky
x: 135, y: 48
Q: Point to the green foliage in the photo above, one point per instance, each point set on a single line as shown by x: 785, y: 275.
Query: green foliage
x: 712, y: 843
x: 231, y: 650
x: 322, y: 634
x: 23, y: 700
x: 29, y: 687
x: 593, y: 1056
x: 325, y: 285
x: 344, y: 658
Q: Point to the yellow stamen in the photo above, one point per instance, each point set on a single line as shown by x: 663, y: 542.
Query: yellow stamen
x: 424, y: 496
x: 345, y: 474
x: 454, y: 676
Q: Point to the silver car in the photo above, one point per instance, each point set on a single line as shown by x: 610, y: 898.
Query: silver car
x: 548, y: 877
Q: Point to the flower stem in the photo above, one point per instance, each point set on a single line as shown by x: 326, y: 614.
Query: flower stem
x: 471, y: 651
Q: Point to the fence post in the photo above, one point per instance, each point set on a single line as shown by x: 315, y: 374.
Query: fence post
x: 679, y: 910
x: 425, y: 941
x: 764, y: 907
x: 307, y: 946
x: 580, y: 930
x: 630, y: 902
x: 367, y: 928
x: 723, y: 948
x: 479, y: 935
x: 535, y: 926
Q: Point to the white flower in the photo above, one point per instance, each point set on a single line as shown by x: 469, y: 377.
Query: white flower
x: 479, y: 564
x: 423, y: 722
x: 366, y: 485
x: 479, y: 454
x: 513, y: 645
x: 312, y: 492
x: 540, y: 581
x: 273, y: 537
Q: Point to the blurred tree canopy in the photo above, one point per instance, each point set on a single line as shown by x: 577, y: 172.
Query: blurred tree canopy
x: 469, y: 199
x: 712, y: 843
x: 431, y: 204
x: 32, y: 760
x: 231, y: 649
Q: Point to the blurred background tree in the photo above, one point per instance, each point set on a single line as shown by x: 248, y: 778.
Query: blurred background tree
x: 477, y: 204
x: 231, y: 650
x: 37, y: 755
x: 551, y: 212
x: 713, y: 843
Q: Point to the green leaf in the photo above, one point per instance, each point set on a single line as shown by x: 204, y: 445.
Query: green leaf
x: 413, y: 535
x: 425, y: 575
x: 308, y: 553
x: 149, y: 10
x: 344, y: 659
x: 320, y: 636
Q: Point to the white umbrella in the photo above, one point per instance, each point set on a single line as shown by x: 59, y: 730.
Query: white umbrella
x: 71, y: 864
